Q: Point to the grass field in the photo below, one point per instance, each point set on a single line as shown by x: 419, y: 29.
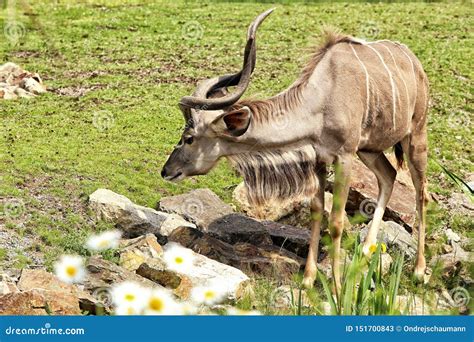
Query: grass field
x: 130, y: 63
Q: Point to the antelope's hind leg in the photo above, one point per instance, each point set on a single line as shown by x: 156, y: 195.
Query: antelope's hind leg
x: 317, y: 211
x: 386, y: 174
x: 415, y: 148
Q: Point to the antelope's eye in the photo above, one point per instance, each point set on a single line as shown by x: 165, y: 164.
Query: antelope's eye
x: 188, y: 140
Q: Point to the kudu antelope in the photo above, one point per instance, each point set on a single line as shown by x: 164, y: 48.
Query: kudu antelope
x: 353, y: 97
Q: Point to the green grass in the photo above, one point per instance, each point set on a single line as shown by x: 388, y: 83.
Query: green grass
x: 137, y: 63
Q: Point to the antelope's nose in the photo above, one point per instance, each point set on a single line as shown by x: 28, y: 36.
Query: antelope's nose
x: 163, y: 173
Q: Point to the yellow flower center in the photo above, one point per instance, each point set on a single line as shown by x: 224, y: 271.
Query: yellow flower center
x: 156, y: 304
x: 71, y: 271
x: 209, y: 295
x: 129, y: 297
x: 103, y: 244
x: 373, y: 248
x: 384, y: 248
x: 178, y: 260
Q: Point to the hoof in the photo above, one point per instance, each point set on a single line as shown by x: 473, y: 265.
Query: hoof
x: 308, y: 282
x: 420, y: 274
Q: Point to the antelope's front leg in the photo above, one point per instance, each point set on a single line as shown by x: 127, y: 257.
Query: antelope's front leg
x: 342, y: 175
x: 317, y: 210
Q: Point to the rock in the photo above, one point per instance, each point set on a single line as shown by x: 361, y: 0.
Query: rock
x: 265, y: 260
x: 452, y: 236
x: 136, y: 251
x: 155, y: 270
x: 7, y: 284
x: 461, y: 204
x: 447, y: 248
x: 402, y: 204
x: 103, y: 274
x: 288, y: 297
x: 386, y: 262
x: 291, y: 238
x: 431, y: 304
x: 172, y: 222
x: 233, y: 228
x: 394, y: 235
x: 7, y: 287
x: 200, y: 206
x: 38, y: 279
x: 39, y: 302
x: 204, y: 272
x: 134, y: 220
x: 451, y: 263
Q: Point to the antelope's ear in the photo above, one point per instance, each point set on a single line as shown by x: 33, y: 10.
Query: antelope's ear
x: 234, y: 123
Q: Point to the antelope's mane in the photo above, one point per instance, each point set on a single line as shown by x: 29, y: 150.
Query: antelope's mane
x: 278, y: 173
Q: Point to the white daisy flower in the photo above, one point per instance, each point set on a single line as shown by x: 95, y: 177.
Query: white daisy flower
x: 129, y: 295
x: 126, y: 310
x: 106, y: 240
x: 70, y: 269
x: 178, y: 258
x: 238, y: 312
x: 161, y: 302
x: 209, y: 295
x: 187, y: 309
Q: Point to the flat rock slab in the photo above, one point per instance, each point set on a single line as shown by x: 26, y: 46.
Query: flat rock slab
x: 134, y: 220
x: 233, y: 228
x: 394, y: 235
x: 291, y: 238
x: 402, y: 205
x: 203, y: 272
x: 201, y: 207
x: 265, y: 260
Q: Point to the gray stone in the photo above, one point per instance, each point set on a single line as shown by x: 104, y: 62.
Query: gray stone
x: 286, y: 296
x: 451, y: 263
x: 201, y: 207
x: 134, y: 220
x: 452, y: 236
x: 394, y: 235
